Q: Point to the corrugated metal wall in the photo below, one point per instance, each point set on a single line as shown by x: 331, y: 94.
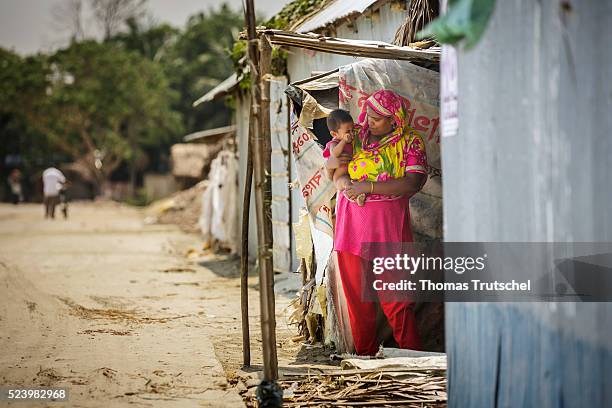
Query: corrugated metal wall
x: 242, y: 136
x: 379, y: 26
x: 531, y: 162
x: 281, y: 204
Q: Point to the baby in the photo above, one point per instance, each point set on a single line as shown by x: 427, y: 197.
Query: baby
x: 340, y: 125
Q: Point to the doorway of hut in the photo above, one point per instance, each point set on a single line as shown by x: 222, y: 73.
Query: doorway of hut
x: 347, y: 88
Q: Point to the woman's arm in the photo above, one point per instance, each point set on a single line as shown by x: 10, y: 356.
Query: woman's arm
x: 408, y: 185
x: 338, y: 148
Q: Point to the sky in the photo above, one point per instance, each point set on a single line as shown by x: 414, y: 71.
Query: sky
x: 27, y: 26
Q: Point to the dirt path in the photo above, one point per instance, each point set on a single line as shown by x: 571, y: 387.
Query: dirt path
x: 115, y: 311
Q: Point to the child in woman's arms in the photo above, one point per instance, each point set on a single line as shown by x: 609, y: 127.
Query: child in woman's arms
x: 340, y: 125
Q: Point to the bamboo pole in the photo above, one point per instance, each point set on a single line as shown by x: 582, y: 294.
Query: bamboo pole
x: 350, y: 47
x: 253, y: 54
x: 261, y: 170
x: 262, y: 167
x: 244, y: 259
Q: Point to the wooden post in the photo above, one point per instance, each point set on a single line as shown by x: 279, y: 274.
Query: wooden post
x: 253, y: 54
x: 263, y: 188
x: 244, y: 259
x: 261, y: 169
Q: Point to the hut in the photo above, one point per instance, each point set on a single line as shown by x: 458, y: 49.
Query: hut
x: 191, y: 160
x: 362, y: 30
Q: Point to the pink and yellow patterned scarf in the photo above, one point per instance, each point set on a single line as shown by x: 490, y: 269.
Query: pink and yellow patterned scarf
x: 386, y: 158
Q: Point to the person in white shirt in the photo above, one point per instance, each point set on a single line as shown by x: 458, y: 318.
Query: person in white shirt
x: 53, y: 180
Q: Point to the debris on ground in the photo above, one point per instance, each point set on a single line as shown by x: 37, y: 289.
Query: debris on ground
x: 406, y: 387
x: 182, y: 208
x: 409, y: 379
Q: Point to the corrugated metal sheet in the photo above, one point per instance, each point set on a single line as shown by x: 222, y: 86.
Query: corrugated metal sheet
x: 225, y: 87
x: 210, y: 133
x: 242, y: 137
x: 304, y: 63
x: 335, y: 11
x: 534, y: 111
x: 281, y: 204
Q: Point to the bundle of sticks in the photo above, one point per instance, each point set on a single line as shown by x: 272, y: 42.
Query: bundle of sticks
x: 388, y: 387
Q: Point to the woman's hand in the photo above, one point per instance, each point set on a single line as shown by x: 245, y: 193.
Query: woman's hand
x: 357, y: 188
x: 335, y: 162
x: 342, y: 183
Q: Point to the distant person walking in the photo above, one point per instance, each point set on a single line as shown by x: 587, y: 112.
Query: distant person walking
x: 53, y: 181
x: 14, y: 182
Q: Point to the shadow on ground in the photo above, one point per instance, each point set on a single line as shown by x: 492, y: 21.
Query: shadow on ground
x: 226, y: 266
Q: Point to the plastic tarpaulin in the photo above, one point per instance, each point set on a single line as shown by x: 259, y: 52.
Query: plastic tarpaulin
x: 420, y: 89
x: 219, y: 218
x: 316, y: 189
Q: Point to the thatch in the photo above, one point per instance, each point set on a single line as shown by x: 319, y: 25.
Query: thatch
x: 420, y: 13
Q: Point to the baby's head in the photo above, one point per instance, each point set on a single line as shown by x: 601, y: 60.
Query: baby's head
x: 339, y: 123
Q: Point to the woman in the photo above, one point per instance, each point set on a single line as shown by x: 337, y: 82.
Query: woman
x: 390, y: 164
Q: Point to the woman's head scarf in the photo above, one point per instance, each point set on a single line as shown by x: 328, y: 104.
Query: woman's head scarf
x: 386, y: 103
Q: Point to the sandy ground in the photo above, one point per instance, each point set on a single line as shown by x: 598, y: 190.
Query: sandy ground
x: 126, y: 314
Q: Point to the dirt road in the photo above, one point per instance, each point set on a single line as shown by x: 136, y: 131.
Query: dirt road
x: 115, y: 311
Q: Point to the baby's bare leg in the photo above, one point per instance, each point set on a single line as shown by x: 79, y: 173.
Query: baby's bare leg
x: 343, y: 172
x: 340, y: 171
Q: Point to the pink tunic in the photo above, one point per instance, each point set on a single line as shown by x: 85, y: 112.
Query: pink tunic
x: 382, y: 218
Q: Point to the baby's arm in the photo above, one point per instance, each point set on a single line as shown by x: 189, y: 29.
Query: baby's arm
x: 336, y: 151
x: 341, y: 176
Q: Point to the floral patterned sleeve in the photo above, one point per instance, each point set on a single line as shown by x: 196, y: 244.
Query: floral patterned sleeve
x: 416, y: 157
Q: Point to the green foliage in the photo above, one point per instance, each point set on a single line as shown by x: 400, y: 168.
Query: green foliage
x: 279, y: 61
x: 117, y: 99
x: 293, y: 12
x: 238, y: 51
x: 92, y: 97
x: 23, y: 83
x: 198, y: 60
x: 150, y: 42
x: 465, y: 20
x: 289, y: 14
x: 126, y: 99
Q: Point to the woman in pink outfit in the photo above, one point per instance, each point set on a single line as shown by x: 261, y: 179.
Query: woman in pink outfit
x: 389, y: 165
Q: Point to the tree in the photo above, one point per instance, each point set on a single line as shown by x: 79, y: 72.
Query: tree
x: 112, y: 14
x: 151, y: 42
x: 68, y: 16
x: 23, y: 84
x: 104, y: 105
x: 194, y: 59
x: 198, y: 60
